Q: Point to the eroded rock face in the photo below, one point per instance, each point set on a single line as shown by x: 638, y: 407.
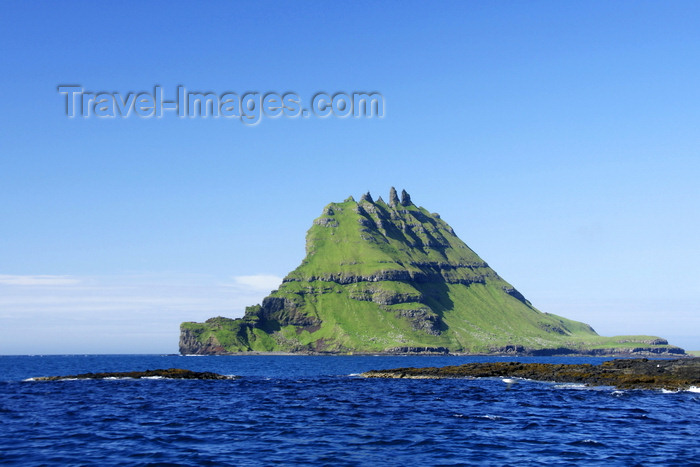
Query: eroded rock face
x: 625, y: 374
x: 393, y: 198
x: 285, y: 311
x: 405, y: 198
x: 192, y: 342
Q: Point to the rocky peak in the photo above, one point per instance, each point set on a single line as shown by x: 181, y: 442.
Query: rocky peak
x: 405, y: 198
x: 367, y: 197
x: 393, y: 197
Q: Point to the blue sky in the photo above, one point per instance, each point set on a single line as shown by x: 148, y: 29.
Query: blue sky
x: 559, y: 139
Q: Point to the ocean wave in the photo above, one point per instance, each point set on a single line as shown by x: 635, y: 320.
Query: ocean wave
x: 587, y: 442
x: 309, y: 412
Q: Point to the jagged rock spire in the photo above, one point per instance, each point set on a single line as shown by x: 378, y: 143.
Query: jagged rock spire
x: 381, y: 200
x: 405, y: 198
x: 367, y: 197
x: 393, y: 197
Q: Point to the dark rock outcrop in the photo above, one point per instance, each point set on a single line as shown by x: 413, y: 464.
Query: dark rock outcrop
x: 405, y: 198
x: 171, y: 373
x: 393, y: 198
x: 625, y: 374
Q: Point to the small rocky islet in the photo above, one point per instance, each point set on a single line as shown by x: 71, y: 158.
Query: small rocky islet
x: 170, y: 373
x: 680, y: 374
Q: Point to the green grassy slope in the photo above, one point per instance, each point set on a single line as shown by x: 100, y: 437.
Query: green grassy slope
x: 389, y: 277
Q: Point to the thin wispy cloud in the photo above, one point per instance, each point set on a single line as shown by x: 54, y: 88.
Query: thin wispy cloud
x: 42, y: 280
x: 264, y: 282
x: 146, y: 307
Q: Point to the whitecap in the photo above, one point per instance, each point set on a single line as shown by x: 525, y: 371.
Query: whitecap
x: 586, y: 442
x: 693, y: 389
x: 490, y: 417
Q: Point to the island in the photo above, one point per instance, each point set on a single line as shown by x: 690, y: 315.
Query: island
x: 394, y: 278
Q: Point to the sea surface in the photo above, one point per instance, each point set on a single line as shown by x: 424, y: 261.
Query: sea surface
x: 291, y: 410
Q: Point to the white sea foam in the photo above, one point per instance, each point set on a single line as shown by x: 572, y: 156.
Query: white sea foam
x: 694, y: 389
x: 582, y: 387
x: 571, y: 386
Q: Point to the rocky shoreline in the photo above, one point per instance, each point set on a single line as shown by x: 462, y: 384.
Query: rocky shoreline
x: 171, y: 373
x: 680, y: 374
x: 510, y: 351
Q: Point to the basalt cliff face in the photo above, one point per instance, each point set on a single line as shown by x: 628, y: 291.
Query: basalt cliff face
x: 395, y: 278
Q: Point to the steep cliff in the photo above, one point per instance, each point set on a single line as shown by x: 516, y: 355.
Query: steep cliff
x: 394, y: 277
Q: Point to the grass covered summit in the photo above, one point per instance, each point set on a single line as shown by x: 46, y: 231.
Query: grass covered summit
x: 392, y: 277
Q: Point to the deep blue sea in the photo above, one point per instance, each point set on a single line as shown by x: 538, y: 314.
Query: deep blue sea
x: 293, y: 410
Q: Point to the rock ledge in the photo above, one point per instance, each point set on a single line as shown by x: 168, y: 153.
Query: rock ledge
x: 681, y: 374
x: 171, y: 373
